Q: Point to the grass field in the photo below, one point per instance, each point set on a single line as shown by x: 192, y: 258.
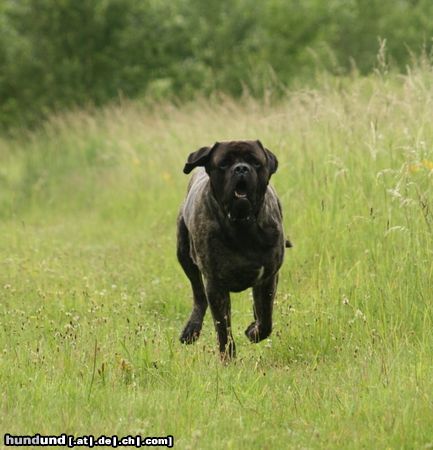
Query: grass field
x: 92, y: 299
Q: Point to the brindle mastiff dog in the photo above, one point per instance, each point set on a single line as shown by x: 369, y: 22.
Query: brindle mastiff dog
x: 230, y: 237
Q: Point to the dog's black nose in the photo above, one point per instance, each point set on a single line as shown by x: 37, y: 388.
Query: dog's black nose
x: 241, y: 169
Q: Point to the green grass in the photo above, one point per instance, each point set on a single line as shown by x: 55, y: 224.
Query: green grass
x: 92, y: 299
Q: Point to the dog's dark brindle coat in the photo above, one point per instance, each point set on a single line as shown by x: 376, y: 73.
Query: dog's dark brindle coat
x: 230, y: 237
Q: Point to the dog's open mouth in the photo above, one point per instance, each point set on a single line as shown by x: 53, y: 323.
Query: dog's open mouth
x: 241, y: 189
x: 240, y: 207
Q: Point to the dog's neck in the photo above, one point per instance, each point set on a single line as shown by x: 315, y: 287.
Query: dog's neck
x: 244, y: 221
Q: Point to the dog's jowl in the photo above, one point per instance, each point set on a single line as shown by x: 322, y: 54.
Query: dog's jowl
x: 230, y: 237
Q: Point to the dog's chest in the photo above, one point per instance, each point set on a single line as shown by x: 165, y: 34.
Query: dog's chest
x: 233, y: 269
x: 240, y: 276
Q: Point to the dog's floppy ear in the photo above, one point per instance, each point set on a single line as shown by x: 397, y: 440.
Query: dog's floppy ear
x: 272, y: 159
x: 198, y: 158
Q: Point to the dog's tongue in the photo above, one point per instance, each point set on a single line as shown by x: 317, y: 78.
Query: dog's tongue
x: 241, y: 209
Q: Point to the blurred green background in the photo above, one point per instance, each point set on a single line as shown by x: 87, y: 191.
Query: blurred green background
x: 60, y: 54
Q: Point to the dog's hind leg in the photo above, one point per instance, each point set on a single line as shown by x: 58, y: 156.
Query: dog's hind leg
x: 263, y: 295
x: 191, y: 331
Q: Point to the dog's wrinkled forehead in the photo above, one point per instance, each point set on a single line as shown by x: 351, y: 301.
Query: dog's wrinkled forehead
x: 238, y: 150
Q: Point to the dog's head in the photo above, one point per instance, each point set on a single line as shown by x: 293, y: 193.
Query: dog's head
x: 239, y: 173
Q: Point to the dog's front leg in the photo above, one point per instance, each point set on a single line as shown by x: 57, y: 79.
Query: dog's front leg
x: 263, y: 295
x: 219, y: 303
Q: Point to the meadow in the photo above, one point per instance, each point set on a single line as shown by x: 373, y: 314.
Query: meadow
x: 92, y: 299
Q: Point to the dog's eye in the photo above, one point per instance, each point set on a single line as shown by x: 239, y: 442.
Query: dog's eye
x: 223, y: 164
x: 256, y: 164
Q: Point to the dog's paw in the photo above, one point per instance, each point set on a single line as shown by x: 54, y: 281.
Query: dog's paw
x: 190, y: 333
x: 229, y: 353
x: 256, y: 333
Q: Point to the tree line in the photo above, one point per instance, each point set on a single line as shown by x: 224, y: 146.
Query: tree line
x: 58, y: 54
